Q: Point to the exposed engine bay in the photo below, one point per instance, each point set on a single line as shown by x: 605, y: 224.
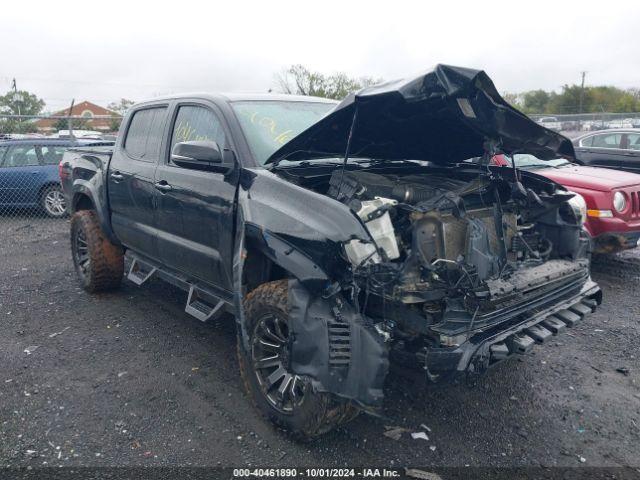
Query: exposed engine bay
x: 417, y: 252
x: 453, y: 253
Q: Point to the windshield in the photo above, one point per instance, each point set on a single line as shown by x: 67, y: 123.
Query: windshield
x: 525, y: 160
x: 268, y: 125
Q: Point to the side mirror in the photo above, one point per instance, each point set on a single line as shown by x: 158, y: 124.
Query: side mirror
x: 198, y: 155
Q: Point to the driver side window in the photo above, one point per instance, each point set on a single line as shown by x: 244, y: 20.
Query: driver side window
x: 197, y: 123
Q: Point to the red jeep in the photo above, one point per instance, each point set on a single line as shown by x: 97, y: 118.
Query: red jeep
x: 612, y: 197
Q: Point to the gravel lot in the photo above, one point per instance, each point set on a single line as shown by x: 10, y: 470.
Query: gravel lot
x: 129, y: 379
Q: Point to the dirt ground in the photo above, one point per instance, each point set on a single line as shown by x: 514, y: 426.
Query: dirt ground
x: 129, y: 379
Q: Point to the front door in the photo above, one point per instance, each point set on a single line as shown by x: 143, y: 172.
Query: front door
x: 130, y: 180
x: 195, y: 214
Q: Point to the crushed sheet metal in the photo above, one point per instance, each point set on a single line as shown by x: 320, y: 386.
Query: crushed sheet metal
x: 444, y: 115
x: 354, y: 367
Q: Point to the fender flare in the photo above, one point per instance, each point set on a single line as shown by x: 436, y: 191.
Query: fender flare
x: 85, y: 188
x: 277, y: 250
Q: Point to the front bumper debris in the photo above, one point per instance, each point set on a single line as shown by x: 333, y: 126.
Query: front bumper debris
x: 517, y: 337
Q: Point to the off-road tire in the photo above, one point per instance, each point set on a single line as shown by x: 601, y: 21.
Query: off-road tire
x: 319, y: 412
x: 106, y: 261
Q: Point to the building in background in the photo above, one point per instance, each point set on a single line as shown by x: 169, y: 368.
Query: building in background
x: 88, y: 111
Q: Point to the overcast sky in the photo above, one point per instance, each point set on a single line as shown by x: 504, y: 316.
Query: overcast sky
x: 102, y: 51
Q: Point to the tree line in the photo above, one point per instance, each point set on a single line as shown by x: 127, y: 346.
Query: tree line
x: 594, y: 100
x: 299, y: 80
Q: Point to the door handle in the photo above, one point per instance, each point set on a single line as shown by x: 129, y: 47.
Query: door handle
x: 163, y: 186
x: 117, y: 176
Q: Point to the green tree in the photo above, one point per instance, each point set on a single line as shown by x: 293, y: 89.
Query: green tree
x: 535, y: 101
x: 299, y: 80
x: 114, y: 125
x: 121, y: 106
x: 19, y: 102
x: 77, y: 123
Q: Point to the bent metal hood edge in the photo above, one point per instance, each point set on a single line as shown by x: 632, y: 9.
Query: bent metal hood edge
x: 443, y: 116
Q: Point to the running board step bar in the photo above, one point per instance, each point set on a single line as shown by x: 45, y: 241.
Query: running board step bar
x: 203, y: 306
x: 140, y: 272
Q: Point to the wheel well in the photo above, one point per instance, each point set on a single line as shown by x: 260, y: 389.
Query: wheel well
x: 259, y: 269
x: 82, y: 202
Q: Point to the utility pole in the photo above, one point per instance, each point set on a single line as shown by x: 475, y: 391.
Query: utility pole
x: 17, y: 100
x: 581, y: 91
x: 70, y: 120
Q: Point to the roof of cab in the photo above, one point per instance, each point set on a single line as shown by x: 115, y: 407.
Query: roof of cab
x: 241, y: 97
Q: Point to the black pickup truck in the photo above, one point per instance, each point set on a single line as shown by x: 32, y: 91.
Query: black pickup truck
x: 342, y: 238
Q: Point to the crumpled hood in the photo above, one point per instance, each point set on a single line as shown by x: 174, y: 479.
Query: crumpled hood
x: 443, y: 116
x: 593, y: 178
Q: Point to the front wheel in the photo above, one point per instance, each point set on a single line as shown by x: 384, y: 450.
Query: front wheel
x: 53, y: 202
x: 286, y: 399
x: 99, y: 263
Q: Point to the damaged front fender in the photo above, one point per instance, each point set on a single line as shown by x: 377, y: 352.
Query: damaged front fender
x: 337, y: 347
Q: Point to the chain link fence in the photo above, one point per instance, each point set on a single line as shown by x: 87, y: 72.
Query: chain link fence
x: 31, y: 148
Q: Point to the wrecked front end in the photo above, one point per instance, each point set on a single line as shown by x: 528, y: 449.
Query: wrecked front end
x: 463, y: 265
x: 464, y: 268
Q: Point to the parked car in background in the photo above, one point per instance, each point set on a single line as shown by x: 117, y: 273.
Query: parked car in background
x: 90, y: 134
x: 29, y: 174
x: 620, y: 123
x: 551, y: 123
x: 612, y: 198
x: 570, y: 125
x: 592, y: 125
x: 618, y: 149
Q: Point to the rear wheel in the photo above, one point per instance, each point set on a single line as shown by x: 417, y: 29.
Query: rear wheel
x: 99, y: 263
x: 286, y: 399
x: 53, y: 202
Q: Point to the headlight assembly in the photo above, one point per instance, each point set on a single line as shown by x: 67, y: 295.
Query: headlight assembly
x: 619, y: 201
x: 579, y: 206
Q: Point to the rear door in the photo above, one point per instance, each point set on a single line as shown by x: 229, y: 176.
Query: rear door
x: 195, y: 215
x: 20, y: 176
x: 131, y: 176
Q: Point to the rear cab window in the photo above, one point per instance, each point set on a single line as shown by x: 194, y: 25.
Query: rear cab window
x: 144, y: 135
